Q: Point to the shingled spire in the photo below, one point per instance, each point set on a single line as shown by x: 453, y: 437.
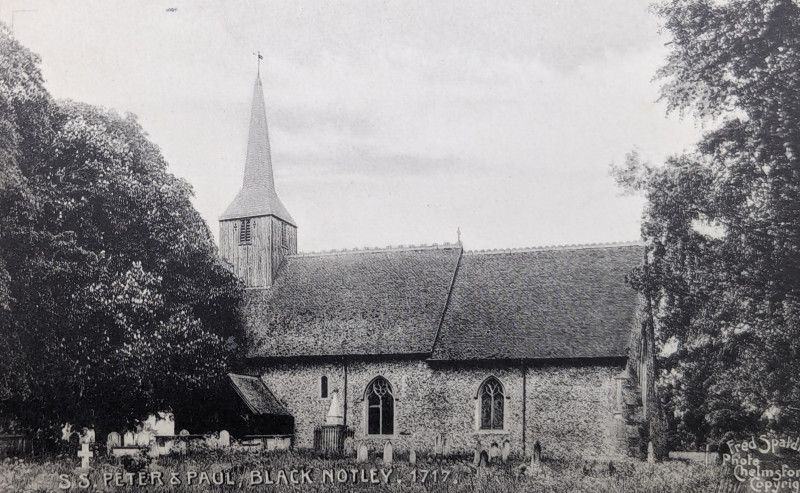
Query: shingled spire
x: 257, y: 196
x: 256, y: 231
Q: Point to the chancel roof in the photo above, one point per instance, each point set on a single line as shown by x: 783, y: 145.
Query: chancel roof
x: 257, y: 196
x: 445, y: 304
x: 541, y: 304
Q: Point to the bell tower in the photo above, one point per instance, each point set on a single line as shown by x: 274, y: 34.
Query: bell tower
x: 256, y: 231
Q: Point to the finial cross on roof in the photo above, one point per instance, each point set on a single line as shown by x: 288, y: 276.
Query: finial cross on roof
x: 260, y: 57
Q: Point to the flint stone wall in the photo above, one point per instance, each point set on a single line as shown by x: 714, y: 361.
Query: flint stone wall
x: 569, y: 409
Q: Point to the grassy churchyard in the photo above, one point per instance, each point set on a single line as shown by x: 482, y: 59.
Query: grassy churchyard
x: 215, y: 470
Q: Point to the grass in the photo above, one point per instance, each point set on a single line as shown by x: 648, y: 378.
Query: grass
x: 204, y: 467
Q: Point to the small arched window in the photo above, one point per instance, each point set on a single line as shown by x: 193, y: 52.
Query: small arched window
x: 323, y: 387
x: 380, y: 407
x: 492, y: 404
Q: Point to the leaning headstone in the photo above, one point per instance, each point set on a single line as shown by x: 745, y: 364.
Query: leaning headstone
x: 494, y: 452
x: 412, y: 457
x: 224, y: 438
x: 113, y: 440
x: 537, y: 454
x: 363, y: 453
x: 349, y: 447
x: 388, y: 452
x: 504, y: 453
x: 651, y: 455
x: 129, y: 440
x: 85, y: 454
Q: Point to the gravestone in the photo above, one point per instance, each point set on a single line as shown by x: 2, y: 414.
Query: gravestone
x: 651, y: 455
x: 412, y: 457
x: 477, y: 457
x: 184, y: 433
x: 85, y: 454
x: 87, y: 435
x: 66, y: 432
x: 224, y: 438
x: 494, y: 452
x: 388, y: 452
x: 154, y: 451
x: 505, y: 451
x: 129, y: 440
x: 483, y: 459
x: 349, y: 446
x: 363, y: 453
x: 438, y: 445
x: 537, y: 454
x: 445, y: 446
x: 143, y: 439
x: 113, y: 440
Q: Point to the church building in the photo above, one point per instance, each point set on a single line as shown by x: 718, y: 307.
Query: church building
x: 430, y: 346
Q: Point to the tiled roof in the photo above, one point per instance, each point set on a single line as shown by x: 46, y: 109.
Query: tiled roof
x: 541, y: 304
x: 545, y: 303
x: 387, y: 301
x: 257, y: 196
x: 255, y: 394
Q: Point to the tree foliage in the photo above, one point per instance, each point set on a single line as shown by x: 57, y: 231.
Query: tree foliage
x: 113, y: 302
x: 722, y: 223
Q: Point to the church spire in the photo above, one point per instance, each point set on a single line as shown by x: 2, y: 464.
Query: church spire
x: 257, y: 196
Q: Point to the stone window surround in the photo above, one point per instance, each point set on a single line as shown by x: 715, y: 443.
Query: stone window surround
x: 477, y: 419
x: 395, y: 413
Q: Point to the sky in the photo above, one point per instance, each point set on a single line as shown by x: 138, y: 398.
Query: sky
x: 391, y: 122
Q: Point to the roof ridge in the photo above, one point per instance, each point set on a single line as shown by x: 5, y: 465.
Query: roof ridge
x: 576, y: 246
x: 398, y: 248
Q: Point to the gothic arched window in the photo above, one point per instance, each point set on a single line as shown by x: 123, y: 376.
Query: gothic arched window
x: 380, y: 407
x: 492, y: 399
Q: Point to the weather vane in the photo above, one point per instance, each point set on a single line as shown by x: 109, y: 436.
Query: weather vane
x: 260, y: 57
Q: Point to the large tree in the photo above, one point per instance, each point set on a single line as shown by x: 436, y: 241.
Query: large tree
x: 113, y: 302
x: 722, y: 223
